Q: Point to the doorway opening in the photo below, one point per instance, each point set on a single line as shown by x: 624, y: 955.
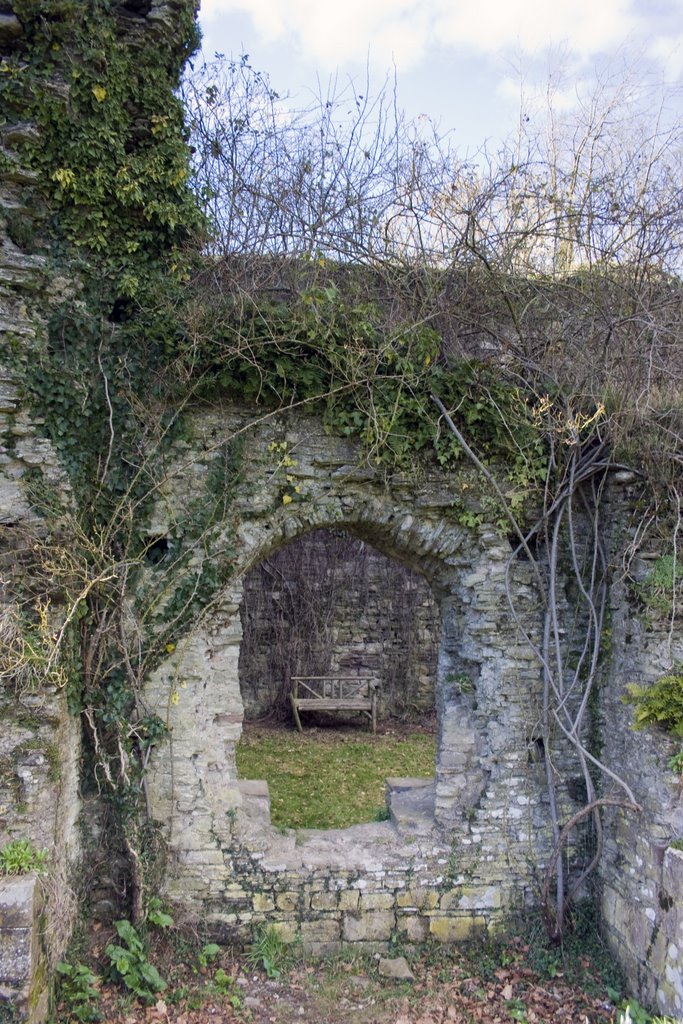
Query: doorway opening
x: 330, y: 604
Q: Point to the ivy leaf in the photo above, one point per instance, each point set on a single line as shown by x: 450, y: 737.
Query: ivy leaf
x: 99, y: 92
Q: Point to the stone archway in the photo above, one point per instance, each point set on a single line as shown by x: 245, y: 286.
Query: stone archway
x: 473, y: 858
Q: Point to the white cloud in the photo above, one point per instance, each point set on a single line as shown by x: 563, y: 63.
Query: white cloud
x: 586, y: 27
x: 667, y: 51
x: 332, y: 34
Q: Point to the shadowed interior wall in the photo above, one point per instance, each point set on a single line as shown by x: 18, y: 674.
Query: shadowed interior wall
x: 330, y: 603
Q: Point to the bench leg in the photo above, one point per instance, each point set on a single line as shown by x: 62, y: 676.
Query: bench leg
x: 295, y: 712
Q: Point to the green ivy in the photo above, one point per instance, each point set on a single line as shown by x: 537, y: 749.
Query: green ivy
x: 112, y: 162
x: 368, y: 381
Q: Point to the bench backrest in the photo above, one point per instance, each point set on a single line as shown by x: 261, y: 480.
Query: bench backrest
x: 332, y: 687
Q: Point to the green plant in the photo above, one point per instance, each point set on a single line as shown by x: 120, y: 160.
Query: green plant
x: 676, y: 763
x: 634, y: 1013
x: 517, y: 1010
x: 268, y: 952
x: 208, y: 954
x: 156, y: 915
x: 130, y: 964
x: 20, y: 856
x: 461, y: 682
x: 659, y: 704
x: 224, y: 984
x: 661, y: 588
x: 78, y: 992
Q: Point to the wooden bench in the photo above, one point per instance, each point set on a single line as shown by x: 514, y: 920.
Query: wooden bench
x: 335, y: 693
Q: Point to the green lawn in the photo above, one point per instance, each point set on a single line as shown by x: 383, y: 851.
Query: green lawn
x: 330, y: 778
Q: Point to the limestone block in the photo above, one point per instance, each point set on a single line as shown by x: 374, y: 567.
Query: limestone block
x: 286, y: 930
x: 370, y: 927
x: 478, y: 899
x: 396, y: 968
x: 327, y: 929
x: 419, y: 899
x: 376, y: 901
x: 262, y: 903
x: 22, y: 981
x: 324, y: 901
x: 349, y: 899
x: 414, y: 928
x: 287, y: 901
x: 450, y: 899
x: 455, y: 929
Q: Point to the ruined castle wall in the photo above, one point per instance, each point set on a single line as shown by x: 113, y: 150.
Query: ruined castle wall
x: 474, y: 853
x: 642, y: 870
x: 462, y: 849
x: 39, y: 739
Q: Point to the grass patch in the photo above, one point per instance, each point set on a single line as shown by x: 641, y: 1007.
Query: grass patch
x: 330, y: 778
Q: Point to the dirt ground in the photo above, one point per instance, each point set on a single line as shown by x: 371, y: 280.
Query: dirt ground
x: 486, y: 984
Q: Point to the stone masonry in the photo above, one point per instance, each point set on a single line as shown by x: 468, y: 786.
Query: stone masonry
x: 641, y: 872
x: 469, y: 862
x: 39, y: 739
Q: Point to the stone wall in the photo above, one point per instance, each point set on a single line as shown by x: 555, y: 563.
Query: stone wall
x: 487, y: 816
x: 641, y: 873
x: 39, y: 739
x: 23, y: 980
x: 329, y: 603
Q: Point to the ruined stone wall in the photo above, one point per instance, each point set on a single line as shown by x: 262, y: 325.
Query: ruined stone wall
x: 641, y: 872
x: 480, y: 835
x: 329, y: 603
x: 39, y: 740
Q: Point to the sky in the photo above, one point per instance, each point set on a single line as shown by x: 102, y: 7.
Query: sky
x: 463, y: 64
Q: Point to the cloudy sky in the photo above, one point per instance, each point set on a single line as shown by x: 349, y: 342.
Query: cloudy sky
x: 463, y: 63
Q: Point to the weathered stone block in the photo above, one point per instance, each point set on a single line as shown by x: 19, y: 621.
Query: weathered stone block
x: 450, y: 899
x: 349, y: 899
x: 376, y: 925
x: 326, y: 929
x: 287, y: 901
x: 480, y: 899
x: 376, y: 901
x: 15, y: 955
x: 22, y: 980
x: 263, y: 903
x: 413, y: 927
x: 455, y: 929
x: 286, y: 930
x: 420, y: 899
x: 324, y: 901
